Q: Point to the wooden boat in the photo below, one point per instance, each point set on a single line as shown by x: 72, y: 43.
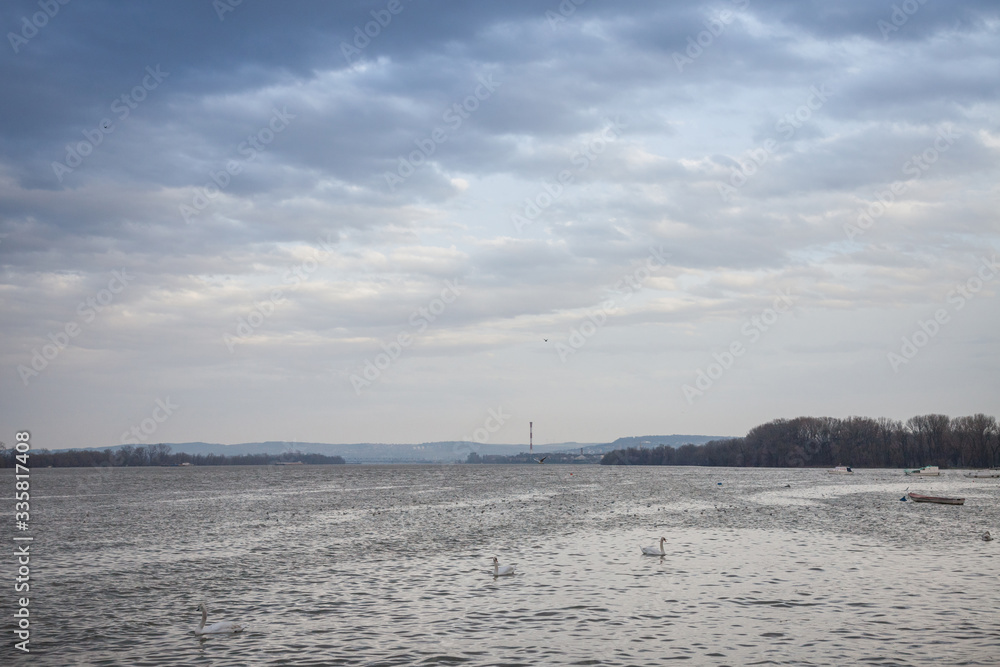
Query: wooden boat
x: 841, y: 470
x: 983, y: 474
x: 917, y: 498
x: 926, y: 471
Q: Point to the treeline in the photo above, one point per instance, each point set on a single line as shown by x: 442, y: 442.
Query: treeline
x: 863, y: 442
x: 151, y: 455
x: 524, y: 457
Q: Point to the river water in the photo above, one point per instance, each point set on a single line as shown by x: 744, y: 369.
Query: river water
x: 391, y: 565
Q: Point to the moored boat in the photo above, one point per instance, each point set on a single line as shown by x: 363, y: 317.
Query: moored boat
x: 983, y: 474
x: 926, y: 471
x: 941, y: 500
x: 841, y: 470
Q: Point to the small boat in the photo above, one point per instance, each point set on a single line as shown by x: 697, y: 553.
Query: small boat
x: 917, y: 498
x: 983, y: 474
x: 841, y: 470
x: 926, y: 471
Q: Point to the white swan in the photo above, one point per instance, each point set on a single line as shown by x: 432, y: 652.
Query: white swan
x: 215, y: 628
x: 504, y: 571
x: 653, y: 551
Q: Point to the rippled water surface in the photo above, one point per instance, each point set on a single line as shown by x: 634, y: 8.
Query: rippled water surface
x: 391, y: 565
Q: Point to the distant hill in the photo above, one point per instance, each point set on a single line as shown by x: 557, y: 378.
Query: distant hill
x: 657, y: 440
x: 428, y: 452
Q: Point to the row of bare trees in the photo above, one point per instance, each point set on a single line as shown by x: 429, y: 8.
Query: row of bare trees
x: 962, y: 442
x: 151, y: 455
x: 527, y: 457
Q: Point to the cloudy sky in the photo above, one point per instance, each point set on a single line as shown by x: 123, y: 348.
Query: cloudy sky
x: 406, y: 221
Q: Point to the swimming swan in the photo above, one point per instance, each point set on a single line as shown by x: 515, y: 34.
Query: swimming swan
x: 504, y: 571
x: 653, y: 551
x: 215, y: 628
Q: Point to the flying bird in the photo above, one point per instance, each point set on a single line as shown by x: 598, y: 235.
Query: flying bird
x: 541, y: 460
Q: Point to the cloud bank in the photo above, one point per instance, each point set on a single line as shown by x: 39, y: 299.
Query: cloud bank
x: 378, y: 221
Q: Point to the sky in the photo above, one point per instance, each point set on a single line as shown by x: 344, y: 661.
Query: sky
x: 409, y: 221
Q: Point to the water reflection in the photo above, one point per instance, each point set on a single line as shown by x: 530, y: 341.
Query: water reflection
x: 393, y: 565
